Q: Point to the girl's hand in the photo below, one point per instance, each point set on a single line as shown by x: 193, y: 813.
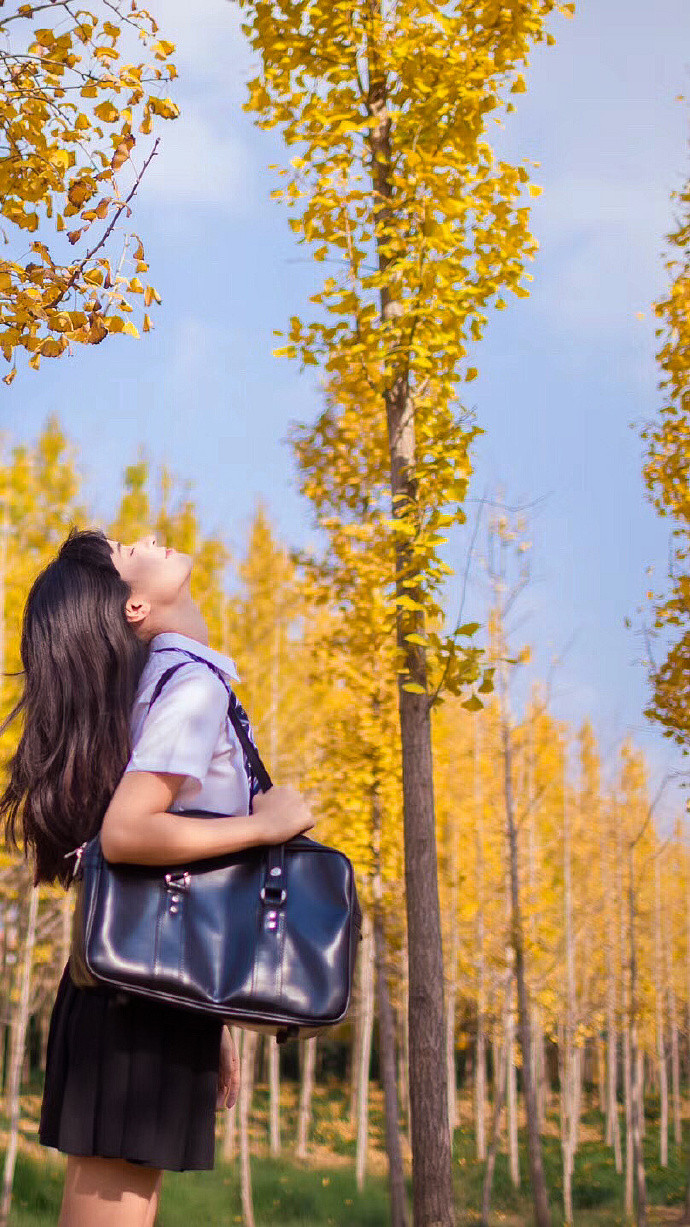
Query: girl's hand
x: 228, y: 1072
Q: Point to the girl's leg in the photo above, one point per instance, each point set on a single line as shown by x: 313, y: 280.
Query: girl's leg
x: 109, y: 1193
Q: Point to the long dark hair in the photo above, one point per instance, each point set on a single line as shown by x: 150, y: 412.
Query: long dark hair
x: 82, y: 661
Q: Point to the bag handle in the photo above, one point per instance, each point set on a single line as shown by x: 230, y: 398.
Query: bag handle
x: 250, y: 749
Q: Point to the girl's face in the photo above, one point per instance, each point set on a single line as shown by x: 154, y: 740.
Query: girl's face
x: 156, y: 576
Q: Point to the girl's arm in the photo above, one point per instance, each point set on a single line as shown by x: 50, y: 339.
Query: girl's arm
x: 137, y: 827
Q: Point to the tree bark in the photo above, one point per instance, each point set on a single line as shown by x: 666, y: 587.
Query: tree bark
x: 404, y: 1062
x: 675, y: 1049
x: 356, y: 1042
x: 230, y: 1129
x: 396, y: 1175
x: 305, y: 1096
x: 364, y: 1054
x: 274, y: 1095
x: 431, y: 1153
x: 513, y: 1150
x: 500, y: 1082
x: 637, y: 1091
x: 246, y: 1093
x: 660, y: 1032
x: 480, y: 1053
x: 542, y: 1213
x: 19, y: 1028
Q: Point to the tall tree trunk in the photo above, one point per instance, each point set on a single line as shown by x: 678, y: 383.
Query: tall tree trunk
x: 673, y: 1019
x: 480, y: 1053
x: 637, y: 1090
x: 500, y: 1083
x: 660, y: 1032
x: 431, y: 1155
x: 364, y: 1055
x: 568, y: 1061
x: 404, y: 1061
x: 396, y: 1174
x: 613, y: 1133
x: 542, y: 1213
x: 305, y: 1096
x: 19, y: 1028
x: 274, y: 1094
x: 600, y: 1055
x: 246, y: 1094
x: 387, y: 1055
x: 513, y: 1149
x: 452, y: 982
x: 230, y: 1123
x: 356, y: 1042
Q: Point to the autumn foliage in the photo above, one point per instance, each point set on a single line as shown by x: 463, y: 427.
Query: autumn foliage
x: 77, y: 113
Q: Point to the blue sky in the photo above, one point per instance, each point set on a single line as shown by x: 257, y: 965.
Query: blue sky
x: 563, y: 373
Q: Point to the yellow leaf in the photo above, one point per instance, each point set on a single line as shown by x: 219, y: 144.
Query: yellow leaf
x: 107, y: 111
x: 534, y: 189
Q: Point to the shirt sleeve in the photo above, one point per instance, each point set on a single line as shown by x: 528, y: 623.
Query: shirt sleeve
x: 180, y: 731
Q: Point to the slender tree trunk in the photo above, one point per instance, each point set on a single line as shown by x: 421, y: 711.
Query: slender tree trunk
x: 246, y: 1094
x: 274, y: 1094
x: 600, y: 1057
x: 356, y: 1042
x: 542, y: 1213
x: 453, y: 953
x: 660, y: 1035
x: 387, y: 1055
x: 613, y: 1131
x: 513, y: 1150
x: 628, y: 1095
x: 305, y: 1096
x: 404, y: 1075
x: 19, y: 1029
x: 568, y: 1071
x: 364, y: 1055
x: 642, y: 1085
x: 500, y: 1082
x: 675, y: 1049
x: 431, y: 1154
x: 396, y: 1175
x: 637, y: 1090
x: 480, y: 1054
x: 230, y: 1129
x: 480, y: 1084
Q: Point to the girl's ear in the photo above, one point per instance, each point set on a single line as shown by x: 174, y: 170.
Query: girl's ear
x: 137, y: 610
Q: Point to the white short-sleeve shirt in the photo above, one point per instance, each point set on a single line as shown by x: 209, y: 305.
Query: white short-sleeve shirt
x: 187, y: 730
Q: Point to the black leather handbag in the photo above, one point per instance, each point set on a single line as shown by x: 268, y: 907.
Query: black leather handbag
x: 266, y: 937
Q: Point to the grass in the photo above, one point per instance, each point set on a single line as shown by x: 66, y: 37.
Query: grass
x: 321, y: 1192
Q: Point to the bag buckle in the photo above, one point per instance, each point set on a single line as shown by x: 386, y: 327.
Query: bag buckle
x: 274, y: 895
x: 178, y: 881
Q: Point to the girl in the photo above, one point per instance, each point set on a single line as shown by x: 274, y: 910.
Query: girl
x: 131, y: 1085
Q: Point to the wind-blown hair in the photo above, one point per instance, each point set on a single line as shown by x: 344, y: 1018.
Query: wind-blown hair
x: 82, y: 662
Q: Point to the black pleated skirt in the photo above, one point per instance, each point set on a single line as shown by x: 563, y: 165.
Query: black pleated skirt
x: 130, y: 1078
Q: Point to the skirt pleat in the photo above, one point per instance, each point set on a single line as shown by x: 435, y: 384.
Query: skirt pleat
x: 130, y: 1078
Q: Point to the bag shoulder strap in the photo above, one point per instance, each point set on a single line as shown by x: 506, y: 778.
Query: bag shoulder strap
x: 250, y: 749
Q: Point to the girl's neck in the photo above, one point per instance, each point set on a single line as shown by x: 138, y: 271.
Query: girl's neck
x: 185, y: 619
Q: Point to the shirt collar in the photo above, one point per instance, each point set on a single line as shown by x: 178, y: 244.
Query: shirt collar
x: 172, y: 639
